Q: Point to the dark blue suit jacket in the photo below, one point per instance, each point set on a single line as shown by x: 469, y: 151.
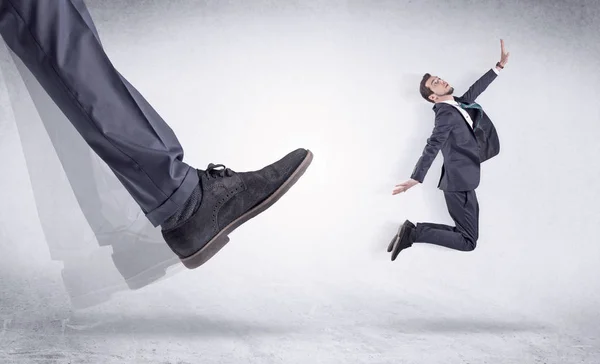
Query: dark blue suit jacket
x: 463, y: 148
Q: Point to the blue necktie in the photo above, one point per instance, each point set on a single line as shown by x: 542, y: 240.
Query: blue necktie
x: 470, y: 106
x: 473, y: 106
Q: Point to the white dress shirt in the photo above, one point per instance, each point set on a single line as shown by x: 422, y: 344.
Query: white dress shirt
x: 463, y: 112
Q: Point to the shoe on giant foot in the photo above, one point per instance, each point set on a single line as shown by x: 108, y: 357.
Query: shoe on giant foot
x: 228, y: 200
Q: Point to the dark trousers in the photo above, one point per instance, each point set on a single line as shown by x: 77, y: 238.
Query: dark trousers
x: 464, y: 210
x: 57, y: 41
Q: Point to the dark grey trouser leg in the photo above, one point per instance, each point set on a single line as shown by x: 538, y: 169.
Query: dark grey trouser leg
x: 61, y: 50
x: 464, y: 210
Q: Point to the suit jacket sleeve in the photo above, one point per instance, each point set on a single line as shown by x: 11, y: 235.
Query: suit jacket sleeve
x: 479, y: 86
x: 439, y: 135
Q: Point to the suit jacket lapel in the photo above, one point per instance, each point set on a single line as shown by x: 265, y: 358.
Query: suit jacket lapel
x: 472, y: 130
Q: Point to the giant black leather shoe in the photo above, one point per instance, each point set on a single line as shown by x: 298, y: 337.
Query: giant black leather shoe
x: 229, y: 199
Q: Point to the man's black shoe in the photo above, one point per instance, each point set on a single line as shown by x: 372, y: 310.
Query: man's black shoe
x: 403, y: 239
x: 229, y: 199
x: 397, y: 236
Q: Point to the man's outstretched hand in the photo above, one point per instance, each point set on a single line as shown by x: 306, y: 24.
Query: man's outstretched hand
x: 503, y: 54
x: 404, y: 186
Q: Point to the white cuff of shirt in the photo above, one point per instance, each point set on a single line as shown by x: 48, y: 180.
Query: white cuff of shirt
x: 496, y: 70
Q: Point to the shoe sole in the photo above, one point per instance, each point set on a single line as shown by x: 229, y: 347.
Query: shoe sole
x: 221, y: 239
x: 392, y: 243
x: 396, y: 238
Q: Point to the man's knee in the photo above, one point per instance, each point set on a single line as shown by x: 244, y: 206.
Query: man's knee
x: 471, y: 245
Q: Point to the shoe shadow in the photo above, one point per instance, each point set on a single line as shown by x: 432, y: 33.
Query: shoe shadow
x: 466, y: 325
x: 171, y: 325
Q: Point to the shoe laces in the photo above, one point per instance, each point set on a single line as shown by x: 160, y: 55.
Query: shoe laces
x: 213, y: 171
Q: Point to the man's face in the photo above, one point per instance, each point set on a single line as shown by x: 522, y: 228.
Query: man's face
x: 439, y: 87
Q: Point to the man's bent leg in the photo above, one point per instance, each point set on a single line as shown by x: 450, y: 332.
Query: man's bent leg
x: 54, y: 41
x: 464, y: 210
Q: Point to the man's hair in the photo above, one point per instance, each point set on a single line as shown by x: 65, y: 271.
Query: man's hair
x: 425, y: 91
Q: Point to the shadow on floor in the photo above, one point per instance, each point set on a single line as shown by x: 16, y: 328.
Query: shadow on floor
x: 464, y: 325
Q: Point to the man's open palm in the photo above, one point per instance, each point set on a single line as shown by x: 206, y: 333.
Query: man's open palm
x: 503, y: 54
x: 404, y: 186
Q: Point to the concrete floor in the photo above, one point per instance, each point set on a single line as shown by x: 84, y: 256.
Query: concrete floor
x: 309, y: 280
x: 223, y: 316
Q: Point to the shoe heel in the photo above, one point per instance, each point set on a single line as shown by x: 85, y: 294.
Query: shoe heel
x: 207, y: 252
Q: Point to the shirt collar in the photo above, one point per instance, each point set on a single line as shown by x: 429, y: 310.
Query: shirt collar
x: 451, y: 102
